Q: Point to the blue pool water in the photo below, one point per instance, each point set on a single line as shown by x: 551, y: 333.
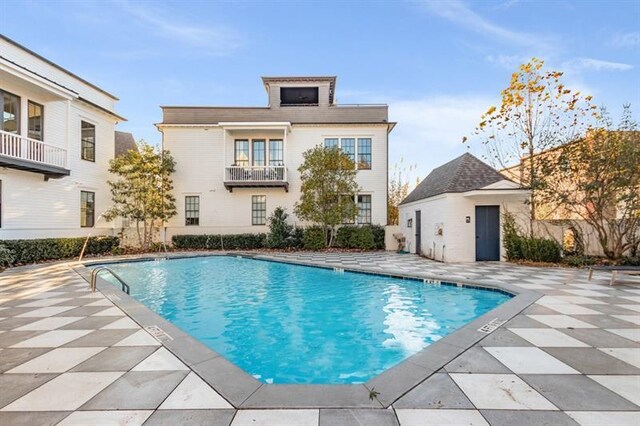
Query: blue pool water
x: 285, y: 323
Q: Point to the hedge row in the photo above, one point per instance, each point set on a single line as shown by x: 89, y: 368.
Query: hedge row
x: 532, y: 249
x: 368, y: 237
x: 220, y: 242
x: 38, y: 250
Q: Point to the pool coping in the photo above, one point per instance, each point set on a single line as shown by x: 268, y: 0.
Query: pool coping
x: 242, y: 390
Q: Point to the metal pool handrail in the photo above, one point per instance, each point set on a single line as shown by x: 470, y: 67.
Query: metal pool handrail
x: 94, y: 277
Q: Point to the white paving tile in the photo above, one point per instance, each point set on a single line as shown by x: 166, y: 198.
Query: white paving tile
x: 46, y: 294
x: 578, y: 300
x: 626, y: 386
x: 56, y: 361
x: 48, y: 323
x: 101, y: 302
x: 548, y: 338
x: 628, y: 355
x: 632, y: 298
x: 40, y: 303
x: 93, y: 296
x: 627, y: 333
x: 606, y: 418
x: 66, y: 392
x: 587, y: 293
x: 635, y: 319
x: 46, y: 312
x: 631, y: 307
x: 411, y: 417
x: 139, y: 338
x: 571, y: 309
x: 161, y: 359
x: 106, y: 418
x: 125, y: 323
x: 534, y: 286
x: 276, y: 418
x: 52, y: 339
x: 109, y: 312
x: 194, y: 394
x: 561, y: 321
x: 527, y: 360
x: 500, y: 392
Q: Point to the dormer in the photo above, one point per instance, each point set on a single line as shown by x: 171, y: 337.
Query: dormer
x: 286, y: 92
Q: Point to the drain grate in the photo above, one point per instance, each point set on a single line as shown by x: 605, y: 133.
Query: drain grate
x: 158, y: 333
x: 491, y: 326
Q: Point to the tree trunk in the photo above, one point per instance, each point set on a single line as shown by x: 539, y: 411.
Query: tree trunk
x: 138, y: 232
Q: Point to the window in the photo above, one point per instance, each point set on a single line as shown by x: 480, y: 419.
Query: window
x: 364, y: 209
x: 35, y: 120
x: 348, y: 146
x: 331, y: 143
x: 88, y: 135
x: 87, y: 208
x: 241, y: 153
x: 276, y: 152
x: 298, y: 96
x: 192, y: 210
x: 258, y: 209
x: 258, y: 152
x: 364, y: 153
x: 10, y: 112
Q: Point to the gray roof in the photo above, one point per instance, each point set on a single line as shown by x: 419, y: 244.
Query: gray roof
x: 465, y: 173
x: 124, y: 142
x: 293, y: 114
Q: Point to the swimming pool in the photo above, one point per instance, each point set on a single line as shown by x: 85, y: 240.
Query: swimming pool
x: 285, y: 323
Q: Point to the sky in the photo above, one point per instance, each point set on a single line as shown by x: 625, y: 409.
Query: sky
x: 437, y: 64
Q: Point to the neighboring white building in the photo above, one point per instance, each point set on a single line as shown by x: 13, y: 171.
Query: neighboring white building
x: 455, y: 213
x: 56, y: 140
x: 235, y: 165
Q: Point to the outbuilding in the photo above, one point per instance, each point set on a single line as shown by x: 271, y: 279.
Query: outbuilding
x: 455, y: 213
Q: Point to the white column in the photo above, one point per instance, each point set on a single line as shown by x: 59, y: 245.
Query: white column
x: 224, y: 154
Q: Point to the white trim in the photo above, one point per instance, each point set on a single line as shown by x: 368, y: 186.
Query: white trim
x: 36, y: 80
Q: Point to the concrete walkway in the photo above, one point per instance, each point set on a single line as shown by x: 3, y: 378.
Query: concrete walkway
x: 71, y: 357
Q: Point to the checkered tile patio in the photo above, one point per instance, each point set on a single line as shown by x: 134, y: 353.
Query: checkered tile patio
x: 71, y: 357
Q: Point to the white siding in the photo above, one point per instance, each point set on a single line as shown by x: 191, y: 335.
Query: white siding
x: 201, y: 157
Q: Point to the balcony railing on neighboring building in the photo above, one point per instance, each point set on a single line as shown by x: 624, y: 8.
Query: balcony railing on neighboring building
x: 24, y: 153
x: 255, y: 176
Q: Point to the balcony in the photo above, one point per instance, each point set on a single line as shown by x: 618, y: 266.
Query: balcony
x: 256, y: 176
x: 31, y: 155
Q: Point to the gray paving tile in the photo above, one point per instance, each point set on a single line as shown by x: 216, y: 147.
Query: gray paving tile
x: 227, y: 379
x: 438, y: 391
x: 613, y: 309
x: 191, y: 418
x: 32, y: 418
x: 307, y: 396
x: 476, y: 360
x: 137, y: 391
x: 82, y: 311
x: 100, y: 338
x: 10, y: 338
x: 504, y: 337
x: 527, y: 418
x: 605, y: 321
x: 90, y: 323
x: 369, y: 417
x: 600, y: 338
x: 536, y: 309
x: 14, y: 386
x: 577, y: 393
x: 591, y: 361
x: 116, y: 359
x: 12, y: 357
x: 397, y: 381
x: 11, y: 323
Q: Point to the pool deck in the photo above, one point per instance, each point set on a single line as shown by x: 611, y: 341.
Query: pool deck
x: 69, y: 356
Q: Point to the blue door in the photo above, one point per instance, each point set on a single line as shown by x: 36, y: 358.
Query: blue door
x: 487, y: 232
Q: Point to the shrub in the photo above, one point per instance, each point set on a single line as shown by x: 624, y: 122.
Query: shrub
x: 6, y: 257
x: 578, y: 261
x: 296, y: 238
x: 378, y: 237
x: 279, y: 229
x: 356, y: 237
x: 219, y: 242
x: 31, y: 251
x: 540, y: 250
x: 314, y: 238
x: 630, y: 261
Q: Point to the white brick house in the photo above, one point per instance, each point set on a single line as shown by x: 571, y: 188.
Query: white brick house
x: 235, y: 165
x: 56, y: 139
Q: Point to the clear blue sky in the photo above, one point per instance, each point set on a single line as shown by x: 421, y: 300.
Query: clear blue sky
x: 437, y: 64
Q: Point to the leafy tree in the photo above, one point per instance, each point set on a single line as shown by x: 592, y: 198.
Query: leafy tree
x: 142, y: 190
x: 537, y: 112
x: 398, y: 191
x: 328, y: 189
x: 597, y: 179
x: 280, y: 231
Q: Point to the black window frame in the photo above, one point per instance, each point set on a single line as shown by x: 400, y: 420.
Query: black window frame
x: 258, y: 210
x: 29, y: 130
x: 364, y: 158
x: 278, y: 150
x: 87, y: 209
x: 87, y: 145
x: 365, y: 207
x: 237, y: 162
x: 192, y: 210
x: 17, y: 114
x: 305, y: 96
x: 257, y: 152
